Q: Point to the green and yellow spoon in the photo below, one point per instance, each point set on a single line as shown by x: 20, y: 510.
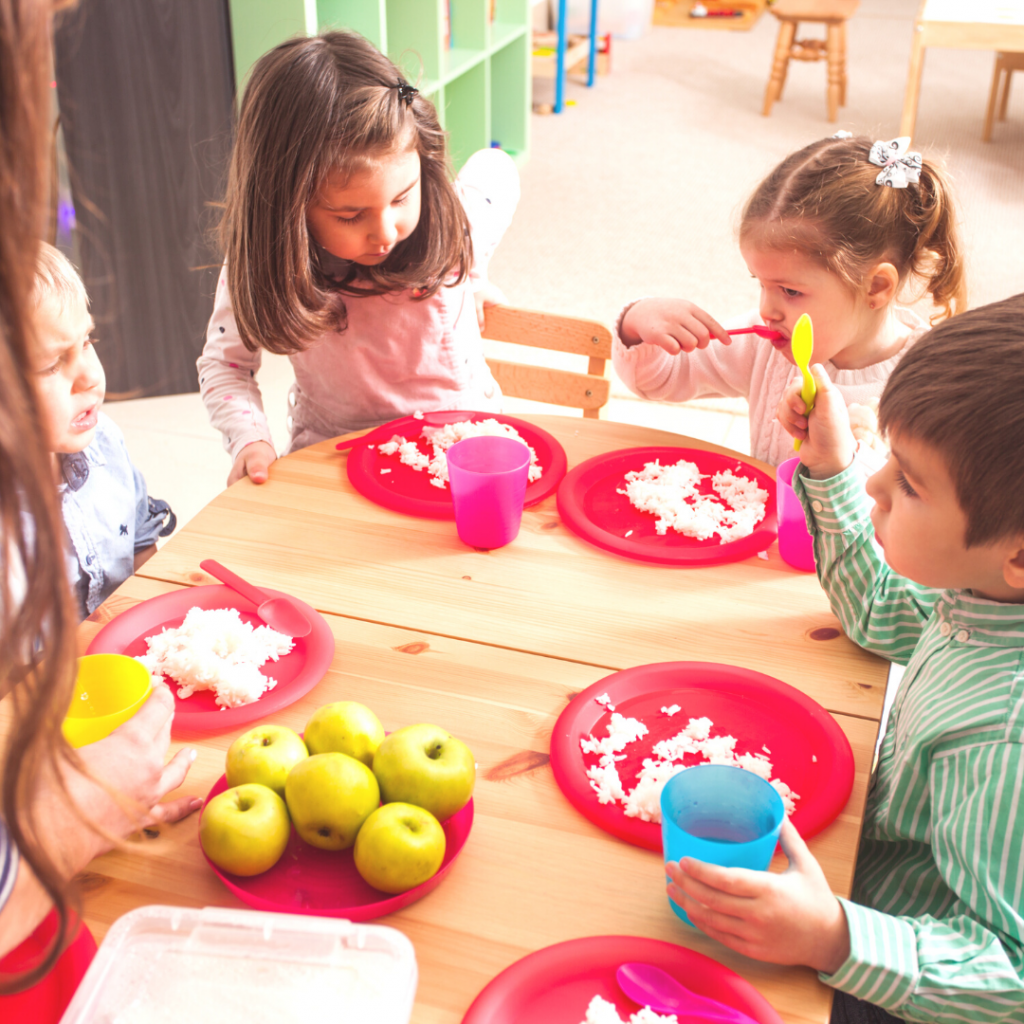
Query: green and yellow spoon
x: 801, y: 344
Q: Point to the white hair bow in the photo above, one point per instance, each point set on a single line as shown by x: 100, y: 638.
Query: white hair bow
x: 899, y: 167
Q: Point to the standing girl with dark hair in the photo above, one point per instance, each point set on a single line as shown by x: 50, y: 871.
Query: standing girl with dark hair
x: 349, y: 250
x: 835, y: 231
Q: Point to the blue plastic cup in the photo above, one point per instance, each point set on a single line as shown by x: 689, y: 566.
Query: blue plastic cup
x: 722, y: 815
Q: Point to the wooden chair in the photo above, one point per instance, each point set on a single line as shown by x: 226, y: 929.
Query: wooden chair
x: 833, y: 14
x: 1006, y: 64
x: 587, y: 391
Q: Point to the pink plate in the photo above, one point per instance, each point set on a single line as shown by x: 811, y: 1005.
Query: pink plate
x: 809, y: 751
x: 410, y: 491
x: 555, y: 984
x: 590, y: 505
x: 310, y: 881
x: 296, y: 673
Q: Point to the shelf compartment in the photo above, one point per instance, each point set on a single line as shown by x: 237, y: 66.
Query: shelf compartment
x: 510, y: 97
x: 458, y: 61
x: 502, y: 33
x: 466, y: 113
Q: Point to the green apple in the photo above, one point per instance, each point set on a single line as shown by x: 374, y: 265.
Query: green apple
x: 399, y: 847
x: 244, y: 830
x: 425, y: 766
x: 265, y: 755
x: 345, y: 727
x: 329, y: 797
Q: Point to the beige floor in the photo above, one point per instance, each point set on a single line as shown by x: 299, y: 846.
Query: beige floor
x: 636, y: 190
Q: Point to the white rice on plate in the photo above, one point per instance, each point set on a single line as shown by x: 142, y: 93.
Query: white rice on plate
x: 643, y: 801
x: 213, y: 649
x: 672, y: 494
x: 600, y: 1011
x: 440, y: 439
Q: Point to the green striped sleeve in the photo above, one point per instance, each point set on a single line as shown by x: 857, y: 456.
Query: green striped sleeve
x: 879, y: 610
x: 929, y: 971
x: 968, y: 966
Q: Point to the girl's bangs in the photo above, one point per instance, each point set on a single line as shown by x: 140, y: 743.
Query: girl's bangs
x: 784, y: 235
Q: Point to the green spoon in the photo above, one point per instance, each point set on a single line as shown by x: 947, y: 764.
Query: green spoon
x: 802, y: 346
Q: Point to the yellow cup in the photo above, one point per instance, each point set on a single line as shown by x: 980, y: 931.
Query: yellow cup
x: 109, y: 689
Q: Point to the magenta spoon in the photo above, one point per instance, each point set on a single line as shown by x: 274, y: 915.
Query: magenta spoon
x: 651, y: 986
x: 280, y: 613
x: 759, y: 330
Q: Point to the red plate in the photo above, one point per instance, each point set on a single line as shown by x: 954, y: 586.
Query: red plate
x: 590, y: 505
x: 410, y: 491
x: 323, y: 882
x: 755, y: 708
x: 555, y: 984
x: 296, y: 673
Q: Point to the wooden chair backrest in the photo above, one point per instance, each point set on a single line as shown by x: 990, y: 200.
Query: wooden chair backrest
x: 587, y: 391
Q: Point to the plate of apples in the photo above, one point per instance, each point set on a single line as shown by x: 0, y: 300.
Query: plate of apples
x: 341, y: 821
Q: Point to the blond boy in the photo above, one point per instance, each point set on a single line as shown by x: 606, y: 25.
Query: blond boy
x: 112, y: 524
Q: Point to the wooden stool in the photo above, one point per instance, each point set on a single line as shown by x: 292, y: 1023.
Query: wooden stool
x: 833, y: 14
x: 1006, y: 63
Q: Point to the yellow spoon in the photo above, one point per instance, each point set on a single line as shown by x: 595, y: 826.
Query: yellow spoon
x: 801, y: 344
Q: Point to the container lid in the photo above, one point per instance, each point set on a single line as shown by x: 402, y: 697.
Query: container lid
x: 178, y: 964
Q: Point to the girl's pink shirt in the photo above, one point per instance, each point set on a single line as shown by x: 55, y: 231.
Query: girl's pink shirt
x: 395, y: 357
x: 750, y: 368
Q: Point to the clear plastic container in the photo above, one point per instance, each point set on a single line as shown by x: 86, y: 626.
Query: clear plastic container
x: 176, y: 964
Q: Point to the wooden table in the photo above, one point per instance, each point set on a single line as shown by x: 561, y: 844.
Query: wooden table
x: 961, y: 25
x: 492, y: 645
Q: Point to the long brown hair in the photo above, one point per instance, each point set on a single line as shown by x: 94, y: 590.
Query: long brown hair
x: 37, y: 617
x: 823, y: 202
x: 314, y: 107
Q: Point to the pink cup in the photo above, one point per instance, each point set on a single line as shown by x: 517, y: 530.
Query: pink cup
x: 488, y: 481
x: 795, y: 542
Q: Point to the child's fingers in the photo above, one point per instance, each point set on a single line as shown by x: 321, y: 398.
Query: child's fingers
x: 711, y: 325
x: 821, y: 378
x: 664, y: 341
x: 733, y: 882
x: 794, y: 847
x: 257, y: 458
x: 708, y: 917
x: 700, y: 327
x: 174, y: 810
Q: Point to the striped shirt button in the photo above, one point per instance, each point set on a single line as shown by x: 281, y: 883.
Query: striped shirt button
x: 963, y: 636
x: 817, y: 506
x: 945, y: 629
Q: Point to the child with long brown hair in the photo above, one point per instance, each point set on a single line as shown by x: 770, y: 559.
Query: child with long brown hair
x: 59, y: 808
x: 349, y: 250
x: 835, y: 231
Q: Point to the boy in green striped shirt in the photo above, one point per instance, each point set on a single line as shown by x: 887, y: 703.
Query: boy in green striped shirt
x: 935, y: 930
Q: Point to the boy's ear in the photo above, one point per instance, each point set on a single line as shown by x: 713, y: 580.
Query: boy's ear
x: 1013, y: 567
x: 883, y: 283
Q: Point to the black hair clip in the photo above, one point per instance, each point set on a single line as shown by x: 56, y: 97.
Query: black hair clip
x: 406, y: 92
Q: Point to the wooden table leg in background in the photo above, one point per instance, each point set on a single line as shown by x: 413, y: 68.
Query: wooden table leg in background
x: 842, y: 63
x: 909, y: 118
x: 787, y: 30
x: 834, y: 49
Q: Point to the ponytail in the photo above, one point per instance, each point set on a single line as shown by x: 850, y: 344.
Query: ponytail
x: 825, y: 203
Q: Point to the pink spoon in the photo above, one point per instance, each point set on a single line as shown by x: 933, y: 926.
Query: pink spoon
x: 651, y: 986
x: 351, y: 442
x: 759, y: 330
x: 280, y: 613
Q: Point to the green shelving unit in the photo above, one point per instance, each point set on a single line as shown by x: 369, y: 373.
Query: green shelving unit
x: 480, y: 83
